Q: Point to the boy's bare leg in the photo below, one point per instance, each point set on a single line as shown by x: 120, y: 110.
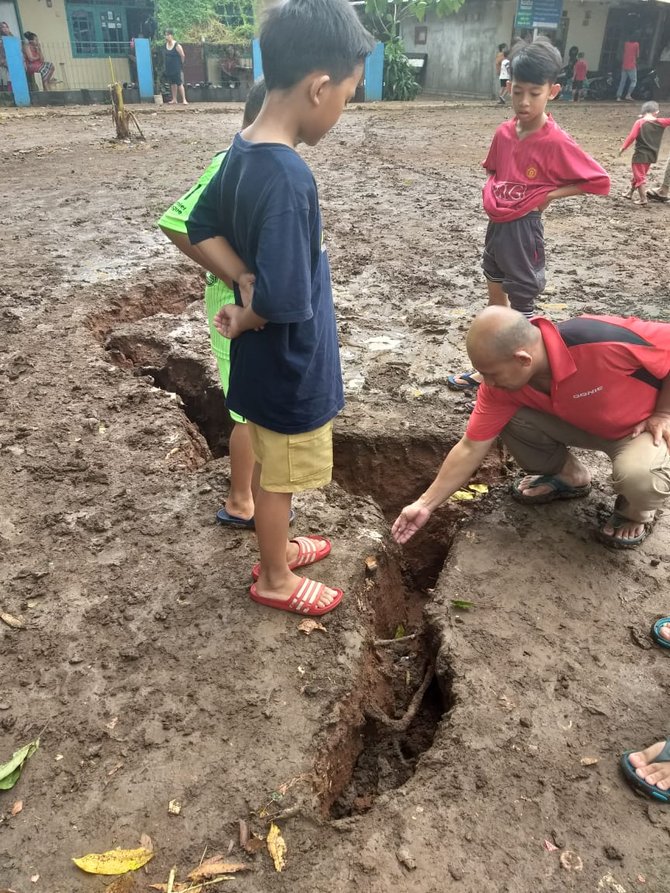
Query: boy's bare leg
x: 276, y: 580
x: 497, y: 294
x: 182, y: 93
x: 240, y: 501
x: 173, y: 90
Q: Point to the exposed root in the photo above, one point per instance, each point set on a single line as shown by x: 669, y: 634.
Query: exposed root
x: 402, y: 724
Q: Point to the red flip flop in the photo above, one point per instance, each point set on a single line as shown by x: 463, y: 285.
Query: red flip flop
x: 303, y: 600
x: 308, y: 553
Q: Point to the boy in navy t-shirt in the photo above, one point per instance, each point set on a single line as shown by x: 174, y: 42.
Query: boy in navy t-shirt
x: 285, y: 374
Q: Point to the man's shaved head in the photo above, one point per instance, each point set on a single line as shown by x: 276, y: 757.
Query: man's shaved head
x: 497, y: 333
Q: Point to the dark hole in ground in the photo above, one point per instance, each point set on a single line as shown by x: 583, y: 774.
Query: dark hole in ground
x: 388, y: 758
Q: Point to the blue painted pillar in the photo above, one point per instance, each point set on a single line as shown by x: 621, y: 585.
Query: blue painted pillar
x: 17, y: 70
x: 145, y: 71
x: 256, y: 59
x: 374, y: 74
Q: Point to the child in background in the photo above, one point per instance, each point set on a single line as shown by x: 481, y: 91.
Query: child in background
x: 285, y: 375
x: 504, y: 76
x: 647, y: 133
x: 238, y: 510
x: 531, y: 163
x: 578, y: 77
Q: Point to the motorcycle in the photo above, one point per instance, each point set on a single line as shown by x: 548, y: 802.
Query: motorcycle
x: 604, y: 86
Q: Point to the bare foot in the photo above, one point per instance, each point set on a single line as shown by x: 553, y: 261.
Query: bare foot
x: 240, y: 509
x: 630, y: 530
x: 281, y: 589
x: 171, y: 102
x: 664, y: 631
x: 657, y: 774
x: 184, y: 102
x: 573, y: 473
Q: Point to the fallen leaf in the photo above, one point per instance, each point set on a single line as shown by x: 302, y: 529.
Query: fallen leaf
x: 18, y: 806
x: 276, y: 846
x: 549, y: 846
x: 254, y: 845
x: 589, y: 761
x: 479, y: 488
x: 215, y: 866
x: 371, y: 565
x: 114, y: 861
x: 147, y: 843
x: 10, y: 620
x: 462, y: 495
x: 174, y: 807
x: 461, y: 604
x: 124, y: 884
x: 308, y: 626
x: 399, y: 632
x: 10, y: 771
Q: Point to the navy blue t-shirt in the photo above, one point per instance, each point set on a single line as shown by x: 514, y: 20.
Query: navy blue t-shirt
x: 264, y: 201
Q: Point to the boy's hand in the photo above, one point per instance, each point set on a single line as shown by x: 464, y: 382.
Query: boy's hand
x: 246, y: 284
x: 232, y: 320
x: 227, y: 321
x: 545, y: 204
x: 411, y: 518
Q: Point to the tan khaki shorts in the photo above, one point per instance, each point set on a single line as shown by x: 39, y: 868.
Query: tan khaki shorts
x: 293, y: 462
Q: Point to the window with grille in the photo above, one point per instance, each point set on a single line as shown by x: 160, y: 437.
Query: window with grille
x: 97, y: 29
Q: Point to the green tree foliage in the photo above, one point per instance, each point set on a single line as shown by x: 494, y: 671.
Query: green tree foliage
x: 181, y: 16
x: 383, y: 17
x: 399, y: 80
x: 219, y: 21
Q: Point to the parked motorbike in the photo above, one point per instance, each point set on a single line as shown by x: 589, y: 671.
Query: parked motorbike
x: 604, y: 85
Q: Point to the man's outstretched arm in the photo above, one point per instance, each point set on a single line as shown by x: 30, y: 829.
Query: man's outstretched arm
x: 458, y: 467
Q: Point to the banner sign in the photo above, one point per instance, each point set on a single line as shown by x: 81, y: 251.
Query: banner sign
x: 538, y: 14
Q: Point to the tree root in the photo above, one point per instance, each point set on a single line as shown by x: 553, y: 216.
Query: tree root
x: 402, y: 724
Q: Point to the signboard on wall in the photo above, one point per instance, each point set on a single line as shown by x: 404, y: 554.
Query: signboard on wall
x: 538, y: 14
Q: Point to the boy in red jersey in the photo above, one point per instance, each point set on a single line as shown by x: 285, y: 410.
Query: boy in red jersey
x: 531, y: 162
x: 647, y: 133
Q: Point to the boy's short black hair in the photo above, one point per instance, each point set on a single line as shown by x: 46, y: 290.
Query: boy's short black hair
x: 301, y: 36
x: 536, y: 63
x: 501, y: 47
x: 254, y: 103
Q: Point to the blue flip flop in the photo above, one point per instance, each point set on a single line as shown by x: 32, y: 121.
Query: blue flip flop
x: 559, y: 490
x: 228, y: 520
x: 468, y: 383
x: 656, y: 632
x: 634, y: 779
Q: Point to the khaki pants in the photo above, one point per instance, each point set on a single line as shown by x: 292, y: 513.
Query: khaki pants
x: 640, y: 470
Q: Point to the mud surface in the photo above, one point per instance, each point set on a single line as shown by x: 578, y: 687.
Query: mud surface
x: 150, y: 675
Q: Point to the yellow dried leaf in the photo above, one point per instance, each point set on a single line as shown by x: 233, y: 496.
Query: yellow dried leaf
x: 214, y: 866
x: 462, y: 495
x: 18, y: 806
x: 276, y: 846
x: 114, y: 861
x: 479, y: 488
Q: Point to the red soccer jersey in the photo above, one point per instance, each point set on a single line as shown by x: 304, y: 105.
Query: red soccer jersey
x: 580, y: 69
x: 647, y: 134
x: 607, y: 372
x: 631, y: 50
x: 523, y: 172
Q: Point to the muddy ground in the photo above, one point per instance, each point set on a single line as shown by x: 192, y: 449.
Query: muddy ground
x: 142, y: 664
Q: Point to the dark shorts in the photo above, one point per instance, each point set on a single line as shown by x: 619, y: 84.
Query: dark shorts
x: 577, y: 85
x: 175, y: 77
x: 504, y: 82
x: 514, y: 257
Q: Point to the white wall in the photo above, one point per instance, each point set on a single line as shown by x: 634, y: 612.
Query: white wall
x: 587, y: 28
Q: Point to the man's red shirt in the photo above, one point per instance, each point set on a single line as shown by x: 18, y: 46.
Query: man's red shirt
x: 607, y: 372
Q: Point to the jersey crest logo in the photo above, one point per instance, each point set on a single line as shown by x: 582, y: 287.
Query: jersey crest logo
x: 531, y: 172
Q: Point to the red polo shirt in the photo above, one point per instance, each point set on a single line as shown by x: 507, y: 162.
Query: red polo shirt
x: 607, y: 372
